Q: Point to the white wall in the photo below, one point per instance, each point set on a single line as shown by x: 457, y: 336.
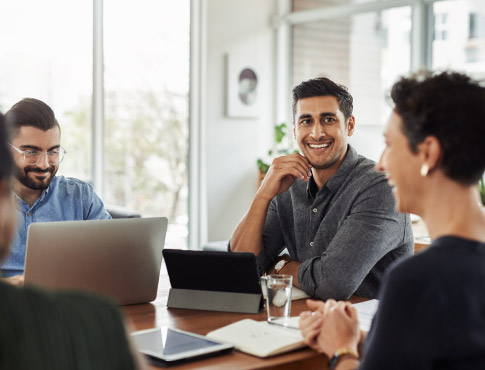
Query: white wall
x: 368, y: 140
x: 234, y: 144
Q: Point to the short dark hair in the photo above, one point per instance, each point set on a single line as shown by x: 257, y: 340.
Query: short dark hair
x: 30, y: 112
x: 5, y: 154
x: 451, y: 107
x: 322, y: 86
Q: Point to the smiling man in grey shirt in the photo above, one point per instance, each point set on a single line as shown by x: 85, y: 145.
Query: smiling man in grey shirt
x: 328, y: 205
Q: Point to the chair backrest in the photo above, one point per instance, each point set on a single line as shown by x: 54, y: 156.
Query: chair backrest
x: 121, y: 212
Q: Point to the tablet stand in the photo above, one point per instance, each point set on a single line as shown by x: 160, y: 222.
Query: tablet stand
x: 215, y: 300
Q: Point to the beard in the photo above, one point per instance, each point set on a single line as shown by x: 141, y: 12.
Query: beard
x: 22, y: 175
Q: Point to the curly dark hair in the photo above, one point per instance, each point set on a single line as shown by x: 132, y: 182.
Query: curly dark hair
x: 451, y: 107
x: 322, y: 86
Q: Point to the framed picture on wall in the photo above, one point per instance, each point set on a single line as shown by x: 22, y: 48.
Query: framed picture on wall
x: 243, y: 89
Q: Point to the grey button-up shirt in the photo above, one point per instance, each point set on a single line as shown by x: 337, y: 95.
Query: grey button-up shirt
x: 345, y: 235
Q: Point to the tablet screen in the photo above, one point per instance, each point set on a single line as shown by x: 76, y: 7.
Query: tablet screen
x: 172, y: 344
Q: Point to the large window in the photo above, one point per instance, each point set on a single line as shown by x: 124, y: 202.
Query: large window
x: 47, y: 53
x: 365, y: 52
x: 146, y: 109
x: 146, y: 94
x: 367, y: 44
x: 459, y: 36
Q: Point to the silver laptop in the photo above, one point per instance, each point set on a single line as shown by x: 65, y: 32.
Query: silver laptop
x: 120, y: 258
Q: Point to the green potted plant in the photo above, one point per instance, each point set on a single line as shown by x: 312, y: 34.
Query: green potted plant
x: 481, y: 190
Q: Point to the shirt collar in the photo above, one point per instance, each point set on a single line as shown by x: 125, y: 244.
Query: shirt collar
x: 44, y: 194
x: 39, y: 199
x: 312, y: 188
x: 334, y: 183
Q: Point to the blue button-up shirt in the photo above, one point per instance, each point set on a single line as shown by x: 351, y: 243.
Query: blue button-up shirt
x: 66, y: 199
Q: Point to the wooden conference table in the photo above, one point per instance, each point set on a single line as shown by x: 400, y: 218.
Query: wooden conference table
x: 156, y: 314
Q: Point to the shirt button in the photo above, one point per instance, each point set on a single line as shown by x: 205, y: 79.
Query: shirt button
x: 315, y: 210
x: 311, y: 244
x: 29, y: 214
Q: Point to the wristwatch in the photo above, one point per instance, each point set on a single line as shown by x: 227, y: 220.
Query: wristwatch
x: 339, y: 355
x: 279, y: 265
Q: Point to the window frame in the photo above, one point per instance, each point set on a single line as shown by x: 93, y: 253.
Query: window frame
x: 421, y: 37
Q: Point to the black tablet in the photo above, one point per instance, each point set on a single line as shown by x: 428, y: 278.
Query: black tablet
x: 213, y: 271
x: 172, y: 345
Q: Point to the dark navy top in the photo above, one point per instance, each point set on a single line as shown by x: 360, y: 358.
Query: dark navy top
x: 431, y: 313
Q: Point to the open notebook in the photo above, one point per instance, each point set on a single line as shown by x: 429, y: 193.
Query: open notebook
x: 259, y: 338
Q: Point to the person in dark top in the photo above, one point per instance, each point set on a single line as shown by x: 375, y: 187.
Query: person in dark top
x: 327, y: 206
x: 54, y: 330
x: 431, y: 312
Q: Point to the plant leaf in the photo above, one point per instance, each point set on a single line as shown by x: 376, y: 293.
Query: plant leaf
x: 263, y: 167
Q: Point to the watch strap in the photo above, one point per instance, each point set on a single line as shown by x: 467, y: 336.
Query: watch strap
x: 339, y: 355
x: 277, y: 270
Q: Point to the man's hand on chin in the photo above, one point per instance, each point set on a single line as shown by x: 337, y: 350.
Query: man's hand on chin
x: 17, y: 280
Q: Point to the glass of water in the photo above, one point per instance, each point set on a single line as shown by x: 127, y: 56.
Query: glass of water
x: 278, y: 298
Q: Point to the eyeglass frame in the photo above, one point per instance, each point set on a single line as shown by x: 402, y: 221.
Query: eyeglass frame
x: 46, y: 153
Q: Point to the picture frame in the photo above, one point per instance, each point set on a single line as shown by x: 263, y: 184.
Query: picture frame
x: 243, y: 85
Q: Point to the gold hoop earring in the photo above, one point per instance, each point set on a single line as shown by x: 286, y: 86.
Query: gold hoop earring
x: 424, y: 170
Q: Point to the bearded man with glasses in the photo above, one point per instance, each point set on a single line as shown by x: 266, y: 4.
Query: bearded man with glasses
x: 42, y: 196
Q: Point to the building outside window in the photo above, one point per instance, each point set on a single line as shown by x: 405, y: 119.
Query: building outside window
x: 464, y: 48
